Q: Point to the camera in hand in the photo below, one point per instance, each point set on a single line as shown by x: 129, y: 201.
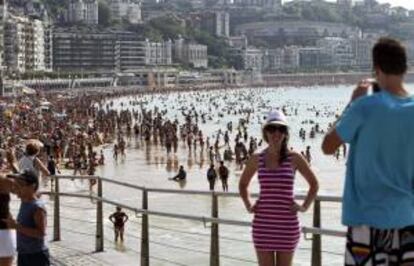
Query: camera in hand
x: 375, y: 87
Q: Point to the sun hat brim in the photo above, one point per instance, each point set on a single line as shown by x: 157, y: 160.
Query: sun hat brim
x: 276, y: 122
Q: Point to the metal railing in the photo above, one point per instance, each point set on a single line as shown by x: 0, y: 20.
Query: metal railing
x: 316, y: 230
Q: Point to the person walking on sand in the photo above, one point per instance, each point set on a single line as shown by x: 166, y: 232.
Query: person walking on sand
x: 211, y: 177
x: 275, y: 224
x: 224, y: 176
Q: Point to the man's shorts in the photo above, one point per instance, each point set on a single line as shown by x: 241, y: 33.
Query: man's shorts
x: 367, y: 246
x: 39, y: 259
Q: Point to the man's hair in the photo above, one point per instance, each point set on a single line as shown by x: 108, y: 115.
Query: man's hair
x: 389, y: 56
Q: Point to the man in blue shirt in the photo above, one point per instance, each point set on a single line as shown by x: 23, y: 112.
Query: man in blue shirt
x: 378, y: 200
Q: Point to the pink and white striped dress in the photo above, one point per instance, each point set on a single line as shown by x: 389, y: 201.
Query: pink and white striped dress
x: 275, y: 226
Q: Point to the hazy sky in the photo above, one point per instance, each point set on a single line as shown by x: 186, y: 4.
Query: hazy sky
x: 404, y: 3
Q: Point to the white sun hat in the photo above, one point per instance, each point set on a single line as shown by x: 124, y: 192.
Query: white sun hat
x: 276, y: 117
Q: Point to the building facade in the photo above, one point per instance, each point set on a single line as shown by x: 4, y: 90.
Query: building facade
x: 252, y: 59
x: 270, y: 5
x: 216, y: 23
x: 362, y: 50
x: 129, y: 10
x: 3, y: 17
x: 35, y: 46
x: 132, y: 51
x: 339, y: 50
x: 75, y: 50
x: 48, y: 47
x: 159, y: 53
x: 281, y: 58
x: 15, y: 44
x: 311, y: 57
x: 192, y: 54
x: 238, y: 42
x: 85, y: 11
x: 84, y: 51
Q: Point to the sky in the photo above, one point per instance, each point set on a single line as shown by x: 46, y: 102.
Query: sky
x: 409, y: 4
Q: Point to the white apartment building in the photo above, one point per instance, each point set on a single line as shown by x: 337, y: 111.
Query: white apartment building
x: 38, y: 44
x: 281, y: 58
x: 24, y: 44
x: 362, y: 50
x: 273, y: 59
x: 159, y: 53
x: 190, y: 53
x: 252, y: 59
x: 238, y: 42
x: 15, y: 44
x: 126, y: 9
x: 85, y: 11
x: 339, y: 49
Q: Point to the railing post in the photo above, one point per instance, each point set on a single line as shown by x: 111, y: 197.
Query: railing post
x: 56, y: 211
x: 99, y: 238
x: 214, y: 244
x: 316, y: 238
x: 144, y: 231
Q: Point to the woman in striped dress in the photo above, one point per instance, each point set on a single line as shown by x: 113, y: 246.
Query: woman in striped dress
x: 276, y: 228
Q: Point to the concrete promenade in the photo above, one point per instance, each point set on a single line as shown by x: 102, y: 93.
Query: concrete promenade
x: 75, y: 251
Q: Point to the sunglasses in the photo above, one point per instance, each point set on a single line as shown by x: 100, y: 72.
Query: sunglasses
x: 274, y: 128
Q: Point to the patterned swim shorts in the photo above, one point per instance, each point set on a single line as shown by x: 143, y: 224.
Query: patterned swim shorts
x: 367, y: 246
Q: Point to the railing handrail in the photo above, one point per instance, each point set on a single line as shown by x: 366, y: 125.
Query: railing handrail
x: 205, y: 219
x: 214, y: 219
x: 326, y: 198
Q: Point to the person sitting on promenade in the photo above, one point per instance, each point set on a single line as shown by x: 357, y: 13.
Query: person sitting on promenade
x: 119, y: 218
x: 276, y: 239
x: 378, y: 196
x: 31, y: 223
x: 182, y: 174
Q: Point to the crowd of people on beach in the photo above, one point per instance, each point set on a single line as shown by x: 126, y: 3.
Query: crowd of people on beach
x: 47, y: 134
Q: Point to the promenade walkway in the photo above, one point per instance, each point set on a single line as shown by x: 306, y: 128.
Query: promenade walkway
x: 77, y: 251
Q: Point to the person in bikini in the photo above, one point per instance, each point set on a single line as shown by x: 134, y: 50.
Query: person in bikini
x: 119, y: 218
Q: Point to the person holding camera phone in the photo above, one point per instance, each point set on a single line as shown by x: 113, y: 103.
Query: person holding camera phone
x: 378, y: 196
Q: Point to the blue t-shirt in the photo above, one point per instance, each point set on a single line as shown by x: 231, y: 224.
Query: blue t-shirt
x: 379, y: 181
